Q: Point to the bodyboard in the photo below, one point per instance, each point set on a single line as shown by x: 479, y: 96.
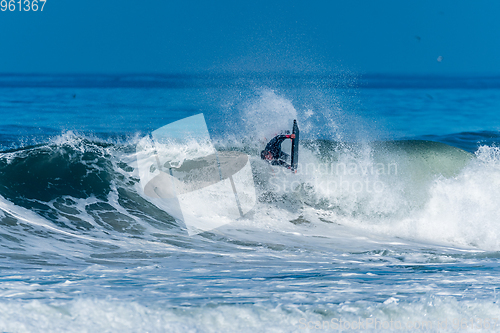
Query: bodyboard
x: 295, y: 146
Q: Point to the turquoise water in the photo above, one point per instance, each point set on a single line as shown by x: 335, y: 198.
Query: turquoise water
x: 83, y: 249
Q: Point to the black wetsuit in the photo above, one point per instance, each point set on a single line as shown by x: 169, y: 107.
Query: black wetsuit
x: 274, y: 147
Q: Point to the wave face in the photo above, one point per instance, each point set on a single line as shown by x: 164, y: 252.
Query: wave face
x: 397, y: 228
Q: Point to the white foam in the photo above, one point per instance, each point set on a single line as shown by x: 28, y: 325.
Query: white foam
x: 270, y: 113
x: 429, y: 314
x: 465, y: 210
x: 416, y: 204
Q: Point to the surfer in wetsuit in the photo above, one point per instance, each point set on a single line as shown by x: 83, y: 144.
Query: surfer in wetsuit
x: 273, y: 154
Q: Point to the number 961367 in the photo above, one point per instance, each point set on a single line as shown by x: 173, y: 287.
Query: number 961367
x: 22, y: 5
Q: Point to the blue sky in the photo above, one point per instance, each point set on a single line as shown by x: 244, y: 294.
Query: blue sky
x: 385, y: 36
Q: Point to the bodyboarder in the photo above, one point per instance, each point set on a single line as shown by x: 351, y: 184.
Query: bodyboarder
x: 275, y: 156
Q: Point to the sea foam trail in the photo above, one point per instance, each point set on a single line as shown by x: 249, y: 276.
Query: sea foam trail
x: 430, y: 314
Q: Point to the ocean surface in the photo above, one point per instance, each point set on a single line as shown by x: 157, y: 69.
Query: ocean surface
x: 391, y: 222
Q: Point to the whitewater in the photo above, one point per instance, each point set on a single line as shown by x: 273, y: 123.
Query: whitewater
x: 389, y: 224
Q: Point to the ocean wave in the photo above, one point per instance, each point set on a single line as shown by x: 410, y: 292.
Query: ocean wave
x: 418, y: 190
